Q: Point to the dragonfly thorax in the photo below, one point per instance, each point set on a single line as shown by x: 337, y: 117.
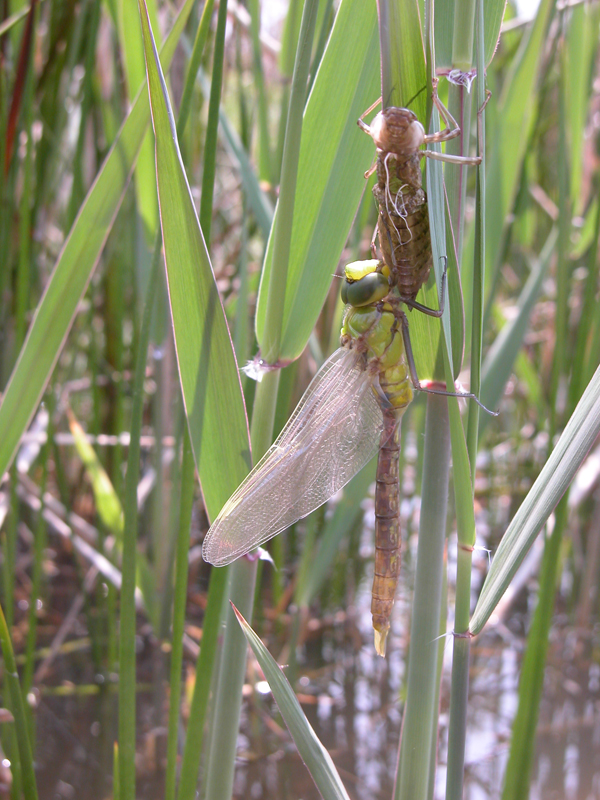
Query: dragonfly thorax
x: 375, y: 332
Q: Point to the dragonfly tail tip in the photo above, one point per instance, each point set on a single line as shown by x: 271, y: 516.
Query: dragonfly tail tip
x: 380, y: 642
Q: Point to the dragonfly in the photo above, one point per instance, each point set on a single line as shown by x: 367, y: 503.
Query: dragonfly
x: 403, y: 220
x: 350, y: 412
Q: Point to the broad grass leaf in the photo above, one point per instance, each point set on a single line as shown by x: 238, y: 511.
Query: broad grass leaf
x: 334, y: 155
x: 566, y: 458
x: 74, y: 267
x: 207, y: 367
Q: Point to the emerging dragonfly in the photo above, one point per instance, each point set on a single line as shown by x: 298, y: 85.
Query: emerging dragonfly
x: 403, y: 222
x: 351, y: 410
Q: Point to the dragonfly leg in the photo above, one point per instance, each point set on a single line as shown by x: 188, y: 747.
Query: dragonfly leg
x: 431, y: 312
x: 371, y: 169
x: 410, y: 358
x: 452, y: 129
x: 373, y: 246
x: 450, y: 159
x: 361, y: 120
x: 480, y: 111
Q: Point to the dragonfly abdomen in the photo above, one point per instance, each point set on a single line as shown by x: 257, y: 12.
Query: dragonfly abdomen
x: 406, y: 249
x: 403, y: 223
x: 387, y: 531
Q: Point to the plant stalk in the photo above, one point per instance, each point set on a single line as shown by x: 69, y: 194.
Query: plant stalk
x: 419, y: 734
x: 282, y: 234
x: 127, y: 659
x: 228, y: 696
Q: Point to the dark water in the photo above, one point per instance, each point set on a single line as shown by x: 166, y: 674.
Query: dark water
x: 353, y: 700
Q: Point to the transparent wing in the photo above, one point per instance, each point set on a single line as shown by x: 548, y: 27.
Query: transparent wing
x: 333, y: 432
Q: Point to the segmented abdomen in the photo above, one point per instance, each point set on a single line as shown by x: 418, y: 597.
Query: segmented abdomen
x: 403, y: 223
x: 387, y: 530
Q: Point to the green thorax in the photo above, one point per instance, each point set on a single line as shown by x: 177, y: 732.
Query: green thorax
x: 373, y: 328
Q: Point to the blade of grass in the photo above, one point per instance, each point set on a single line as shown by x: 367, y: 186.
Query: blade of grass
x: 74, y: 267
x: 23, y: 67
x: 9, y: 22
x: 194, y: 65
x: 464, y: 472
x: 270, y: 342
x: 127, y: 638
x: 211, y: 625
x: 221, y: 756
x: 210, y: 145
x: 558, y: 472
x: 531, y: 683
x: 516, y: 115
x: 418, y: 730
x: 265, y: 170
x: 501, y: 356
x: 180, y: 583
x: 17, y: 705
x: 108, y: 505
x: 315, y: 756
x: 133, y: 51
x: 445, y: 16
x: 207, y: 368
x: 333, y: 156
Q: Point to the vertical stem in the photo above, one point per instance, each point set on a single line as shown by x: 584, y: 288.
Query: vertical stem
x: 462, y: 643
x: 194, y: 66
x: 479, y: 255
x: 127, y: 660
x: 210, y: 147
x: 562, y: 266
x: 190, y: 763
x: 264, y: 157
x: 228, y: 699
x: 282, y: 235
x: 181, y: 579
x: 11, y: 681
x: 418, y: 731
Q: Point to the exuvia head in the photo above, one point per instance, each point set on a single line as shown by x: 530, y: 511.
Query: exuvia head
x: 397, y: 130
x: 365, y: 283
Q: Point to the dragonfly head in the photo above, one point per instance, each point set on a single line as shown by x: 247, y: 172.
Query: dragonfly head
x: 364, y: 283
x: 397, y: 130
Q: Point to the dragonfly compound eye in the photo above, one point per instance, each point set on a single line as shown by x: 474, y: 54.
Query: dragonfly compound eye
x: 366, y: 291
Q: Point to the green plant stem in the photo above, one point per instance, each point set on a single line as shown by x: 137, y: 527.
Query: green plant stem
x: 264, y: 159
x: 479, y: 256
x: 210, y: 146
x: 17, y: 705
x: 188, y: 474
x: 37, y: 576
x: 190, y: 763
x: 462, y: 40
x: 462, y: 640
x: 282, y: 234
x: 563, y: 268
x: 531, y: 684
x: 194, y: 66
x: 228, y: 698
x: 402, y: 60
x: 127, y: 661
x: 419, y: 733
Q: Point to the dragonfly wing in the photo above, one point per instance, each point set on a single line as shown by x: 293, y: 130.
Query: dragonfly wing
x: 333, y: 432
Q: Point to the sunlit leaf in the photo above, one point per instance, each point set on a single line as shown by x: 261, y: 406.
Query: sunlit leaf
x: 207, y: 366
